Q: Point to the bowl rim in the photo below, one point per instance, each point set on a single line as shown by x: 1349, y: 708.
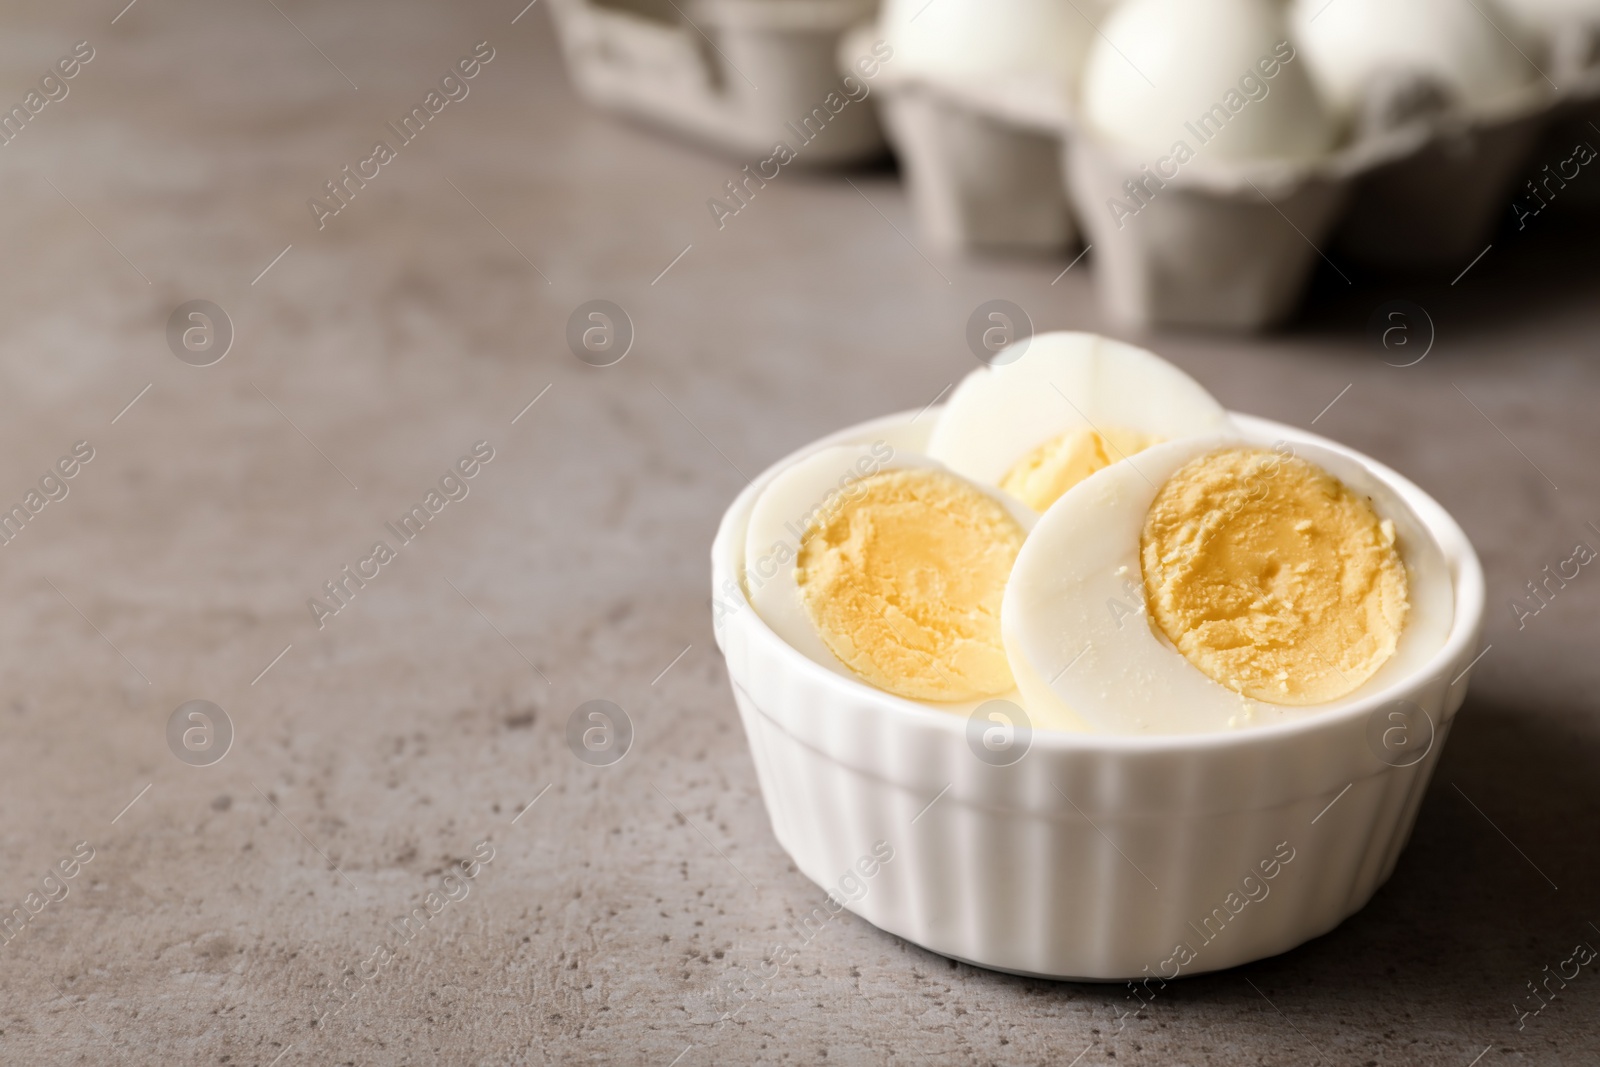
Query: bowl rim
x: 902, y: 713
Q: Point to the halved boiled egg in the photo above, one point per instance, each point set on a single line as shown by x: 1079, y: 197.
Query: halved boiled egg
x: 1221, y: 583
x: 1069, y: 405
x: 889, y: 569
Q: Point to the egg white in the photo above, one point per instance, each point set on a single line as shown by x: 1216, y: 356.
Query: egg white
x: 780, y: 518
x: 1081, y: 643
x: 1065, y: 381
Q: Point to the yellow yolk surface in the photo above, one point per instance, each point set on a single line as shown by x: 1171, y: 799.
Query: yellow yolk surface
x: 1056, y: 466
x: 902, y: 574
x: 1272, y: 577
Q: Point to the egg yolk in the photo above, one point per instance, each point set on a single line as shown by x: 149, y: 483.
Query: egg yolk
x: 1041, y: 476
x: 1272, y: 577
x: 902, y: 575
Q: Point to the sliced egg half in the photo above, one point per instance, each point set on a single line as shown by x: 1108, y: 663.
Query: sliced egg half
x: 1292, y: 559
x: 1069, y: 405
x: 889, y: 569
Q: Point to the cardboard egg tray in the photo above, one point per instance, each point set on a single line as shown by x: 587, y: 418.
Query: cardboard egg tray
x: 1578, y: 122
x: 1218, y: 244
x: 738, y: 75
x: 976, y: 181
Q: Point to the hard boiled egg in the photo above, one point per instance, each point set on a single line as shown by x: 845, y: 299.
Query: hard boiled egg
x: 888, y: 569
x: 1222, y: 583
x: 1040, y: 41
x: 1037, y: 423
x: 1351, y: 46
x: 1219, y: 76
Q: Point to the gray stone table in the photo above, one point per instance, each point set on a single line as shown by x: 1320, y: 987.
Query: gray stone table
x: 221, y: 903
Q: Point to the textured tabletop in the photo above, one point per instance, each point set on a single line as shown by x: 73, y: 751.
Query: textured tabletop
x: 243, y: 912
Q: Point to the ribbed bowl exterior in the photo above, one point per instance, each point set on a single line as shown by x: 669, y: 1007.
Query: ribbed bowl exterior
x: 1094, y: 856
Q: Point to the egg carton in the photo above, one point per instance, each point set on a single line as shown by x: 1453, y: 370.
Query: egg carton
x: 1234, y: 246
x: 732, y: 74
x: 1578, y: 122
x: 975, y: 180
x: 1438, y: 203
x: 982, y: 161
x: 1219, y: 245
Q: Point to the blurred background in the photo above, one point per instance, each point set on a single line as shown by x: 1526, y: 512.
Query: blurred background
x: 227, y: 469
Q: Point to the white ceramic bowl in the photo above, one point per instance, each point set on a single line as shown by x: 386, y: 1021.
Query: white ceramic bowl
x: 1094, y: 856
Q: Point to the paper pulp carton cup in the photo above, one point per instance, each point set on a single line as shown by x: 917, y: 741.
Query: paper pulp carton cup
x: 1576, y: 120
x: 1094, y: 856
x: 1439, y: 205
x: 977, y: 179
x: 730, y: 73
x: 1229, y: 249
